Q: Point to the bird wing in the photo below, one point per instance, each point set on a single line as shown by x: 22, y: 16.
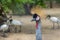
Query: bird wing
x: 4, y: 27
x: 58, y: 20
x: 16, y: 22
x: 54, y: 19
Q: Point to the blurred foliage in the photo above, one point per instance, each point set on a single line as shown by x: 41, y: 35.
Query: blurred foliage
x: 57, y: 1
x: 51, y: 2
x: 17, y: 6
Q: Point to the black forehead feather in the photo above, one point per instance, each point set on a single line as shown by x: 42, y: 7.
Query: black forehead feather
x: 35, y: 15
x: 48, y: 16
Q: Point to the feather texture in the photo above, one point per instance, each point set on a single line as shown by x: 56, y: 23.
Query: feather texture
x: 16, y: 22
x: 4, y: 27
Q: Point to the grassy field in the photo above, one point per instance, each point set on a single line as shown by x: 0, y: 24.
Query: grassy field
x: 28, y: 28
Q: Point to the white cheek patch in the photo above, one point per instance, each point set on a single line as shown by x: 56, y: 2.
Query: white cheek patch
x: 37, y: 18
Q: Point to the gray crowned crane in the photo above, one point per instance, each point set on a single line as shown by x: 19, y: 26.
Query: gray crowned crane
x: 54, y: 20
x: 37, y: 19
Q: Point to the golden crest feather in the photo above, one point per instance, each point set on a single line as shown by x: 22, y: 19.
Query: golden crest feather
x: 38, y: 11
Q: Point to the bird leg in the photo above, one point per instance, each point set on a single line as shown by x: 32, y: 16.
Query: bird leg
x: 15, y: 28
x: 53, y: 25
x: 58, y: 25
x: 20, y: 29
x: 4, y: 34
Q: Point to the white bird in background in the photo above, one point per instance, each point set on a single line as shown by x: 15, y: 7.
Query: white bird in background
x: 4, y: 27
x: 54, y: 20
x: 15, y: 22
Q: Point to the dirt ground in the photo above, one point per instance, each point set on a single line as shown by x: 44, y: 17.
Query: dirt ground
x: 28, y: 28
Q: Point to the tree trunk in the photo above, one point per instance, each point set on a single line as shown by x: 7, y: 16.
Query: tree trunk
x: 51, y: 4
x: 27, y: 9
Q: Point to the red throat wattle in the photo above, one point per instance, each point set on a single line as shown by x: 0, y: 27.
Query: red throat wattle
x: 36, y: 25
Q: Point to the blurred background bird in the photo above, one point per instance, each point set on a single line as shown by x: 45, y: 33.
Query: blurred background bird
x: 4, y: 28
x: 54, y: 20
x: 18, y: 24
